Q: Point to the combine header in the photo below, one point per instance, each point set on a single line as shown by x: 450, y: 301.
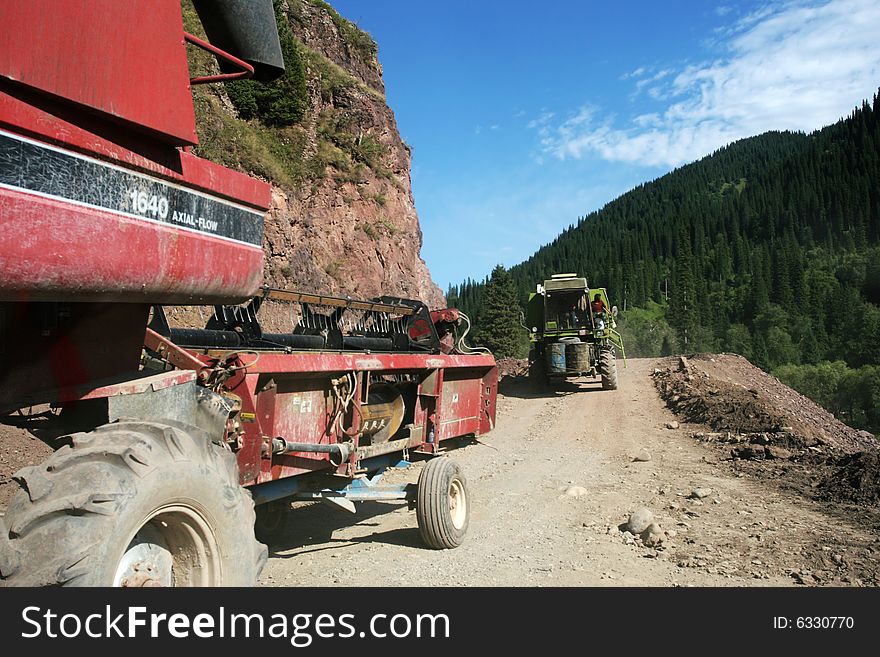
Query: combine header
x: 176, y: 432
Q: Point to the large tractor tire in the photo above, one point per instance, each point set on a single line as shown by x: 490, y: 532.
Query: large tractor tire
x: 132, y: 504
x: 442, y: 507
x: 537, y: 373
x: 608, y: 369
x: 272, y: 521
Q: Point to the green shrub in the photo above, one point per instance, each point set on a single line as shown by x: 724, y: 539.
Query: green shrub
x: 279, y: 103
x: 387, y: 225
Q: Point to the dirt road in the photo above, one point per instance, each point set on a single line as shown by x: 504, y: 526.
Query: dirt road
x: 531, y: 525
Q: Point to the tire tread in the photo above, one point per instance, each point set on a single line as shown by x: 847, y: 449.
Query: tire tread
x: 67, y: 505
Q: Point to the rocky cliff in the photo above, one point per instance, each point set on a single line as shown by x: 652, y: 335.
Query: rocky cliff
x: 343, y: 219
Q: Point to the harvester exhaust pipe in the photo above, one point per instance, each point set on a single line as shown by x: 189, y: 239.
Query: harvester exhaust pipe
x: 247, y: 30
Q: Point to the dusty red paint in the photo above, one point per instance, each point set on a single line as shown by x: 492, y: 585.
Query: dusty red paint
x: 289, y: 396
x: 123, y: 60
x: 138, y: 386
x: 58, y: 251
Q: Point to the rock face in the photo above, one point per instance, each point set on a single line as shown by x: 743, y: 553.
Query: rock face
x: 359, y: 236
x: 359, y: 233
x: 343, y: 219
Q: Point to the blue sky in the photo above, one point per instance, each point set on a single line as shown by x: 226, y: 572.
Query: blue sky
x: 524, y: 116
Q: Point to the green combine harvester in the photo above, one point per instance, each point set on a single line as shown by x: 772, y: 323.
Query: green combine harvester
x: 572, y: 331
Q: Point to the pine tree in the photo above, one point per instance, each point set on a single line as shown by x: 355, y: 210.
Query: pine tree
x: 500, y: 328
x: 683, y: 307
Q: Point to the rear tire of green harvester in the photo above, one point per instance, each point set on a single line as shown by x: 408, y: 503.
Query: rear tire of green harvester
x: 537, y: 375
x: 608, y: 368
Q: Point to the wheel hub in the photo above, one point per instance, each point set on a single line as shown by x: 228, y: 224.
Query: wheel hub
x: 174, y: 547
x: 457, y: 504
x: 146, y: 562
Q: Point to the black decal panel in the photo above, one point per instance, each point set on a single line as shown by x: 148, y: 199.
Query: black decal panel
x: 38, y: 169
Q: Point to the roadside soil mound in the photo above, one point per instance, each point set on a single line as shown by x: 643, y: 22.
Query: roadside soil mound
x: 512, y: 367
x: 770, y: 429
x: 728, y: 393
x: 855, y: 479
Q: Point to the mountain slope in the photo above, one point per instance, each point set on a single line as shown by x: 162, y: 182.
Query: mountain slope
x: 752, y: 239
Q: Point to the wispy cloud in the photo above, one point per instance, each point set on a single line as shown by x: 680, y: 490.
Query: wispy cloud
x: 639, y: 72
x: 542, y: 120
x: 795, y: 66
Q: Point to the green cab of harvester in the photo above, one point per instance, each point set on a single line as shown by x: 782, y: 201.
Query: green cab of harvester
x: 572, y: 331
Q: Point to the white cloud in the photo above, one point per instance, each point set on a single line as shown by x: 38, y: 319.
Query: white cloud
x: 542, y: 120
x: 659, y: 75
x: 639, y: 72
x: 796, y: 66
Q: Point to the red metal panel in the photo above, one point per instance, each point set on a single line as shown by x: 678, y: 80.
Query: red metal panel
x: 291, y: 466
x: 250, y: 453
x: 123, y: 60
x: 58, y: 251
x: 488, y: 399
x: 459, y: 427
x: 302, y: 414
x: 330, y: 364
x: 132, y: 385
x: 459, y: 406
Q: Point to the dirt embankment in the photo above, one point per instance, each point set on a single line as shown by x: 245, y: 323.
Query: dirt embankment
x: 770, y: 429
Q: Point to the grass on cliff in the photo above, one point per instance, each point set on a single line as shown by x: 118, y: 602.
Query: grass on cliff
x: 269, y: 137
x: 354, y: 36
x: 334, y: 79
x: 275, y: 154
x: 337, y: 131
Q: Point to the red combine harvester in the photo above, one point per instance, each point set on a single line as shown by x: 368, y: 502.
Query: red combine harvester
x: 106, y: 217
